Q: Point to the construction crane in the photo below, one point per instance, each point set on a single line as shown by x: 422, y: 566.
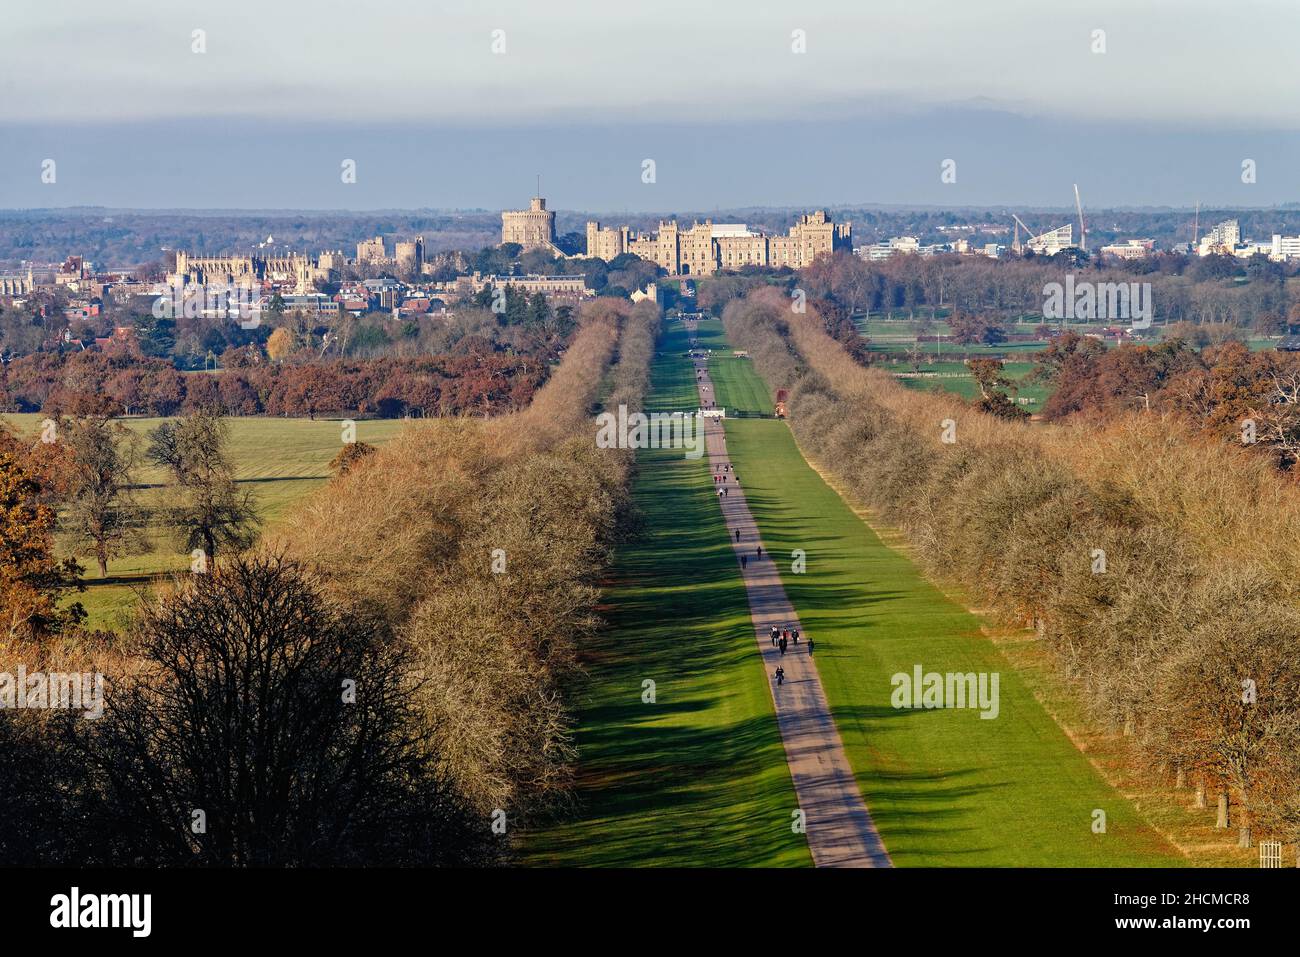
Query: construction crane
x: 1020, y: 224
x: 1083, y: 233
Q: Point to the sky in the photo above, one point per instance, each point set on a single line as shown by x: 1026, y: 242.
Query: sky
x: 160, y: 103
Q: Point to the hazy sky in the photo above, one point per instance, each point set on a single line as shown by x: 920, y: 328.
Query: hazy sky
x: 584, y: 91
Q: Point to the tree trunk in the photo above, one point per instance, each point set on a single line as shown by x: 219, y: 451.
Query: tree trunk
x: 1222, y: 822
x: 1128, y: 726
x: 1243, y: 837
x: 1200, y: 795
x: 1180, y: 779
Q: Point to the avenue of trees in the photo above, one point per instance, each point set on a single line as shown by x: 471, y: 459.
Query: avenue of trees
x: 387, y: 678
x: 1156, y: 562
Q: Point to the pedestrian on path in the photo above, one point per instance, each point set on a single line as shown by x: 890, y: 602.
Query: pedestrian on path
x: 759, y: 551
x: 774, y: 633
x: 810, y: 647
x: 794, y: 633
x: 781, y: 644
x: 737, y: 534
x: 743, y: 559
x: 780, y: 676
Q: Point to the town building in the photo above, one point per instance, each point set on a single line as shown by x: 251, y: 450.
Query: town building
x: 557, y: 288
x: 1130, y: 249
x: 247, y: 271
x: 707, y: 248
x: 1223, y: 238
x: 1053, y: 241
x: 17, y: 285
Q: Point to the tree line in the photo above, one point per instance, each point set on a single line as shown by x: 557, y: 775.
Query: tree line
x: 1227, y: 392
x: 106, y: 384
x: 1248, y: 294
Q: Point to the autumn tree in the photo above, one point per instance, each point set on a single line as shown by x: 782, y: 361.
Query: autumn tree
x: 1232, y: 688
x: 207, y: 510
x: 100, y: 510
x: 971, y: 329
x: 994, y: 387
x: 32, y: 580
x: 280, y: 344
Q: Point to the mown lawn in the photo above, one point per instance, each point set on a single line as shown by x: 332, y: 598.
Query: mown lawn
x: 955, y: 377
x: 735, y: 386
x: 698, y: 778
x: 278, y: 460
x: 945, y: 787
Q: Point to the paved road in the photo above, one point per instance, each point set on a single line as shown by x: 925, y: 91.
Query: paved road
x: 840, y: 831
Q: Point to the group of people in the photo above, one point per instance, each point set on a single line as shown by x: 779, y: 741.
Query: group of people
x: 781, y: 638
x: 720, y: 475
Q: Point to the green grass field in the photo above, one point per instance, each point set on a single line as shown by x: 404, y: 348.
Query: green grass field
x: 279, y: 460
x: 946, y: 788
x: 699, y: 777
x: 735, y: 386
x: 955, y: 377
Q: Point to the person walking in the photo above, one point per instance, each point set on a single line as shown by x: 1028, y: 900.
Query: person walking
x: 774, y: 634
x: 737, y: 534
x: 781, y: 644
x: 794, y: 633
x: 759, y: 551
x: 743, y: 559
x: 780, y: 676
x: 810, y: 647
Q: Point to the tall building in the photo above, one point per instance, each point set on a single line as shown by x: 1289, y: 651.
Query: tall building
x: 371, y: 250
x: 1223, y: 238
x: 410, y: 255
x: 708, y: 247
x: 531, y: 228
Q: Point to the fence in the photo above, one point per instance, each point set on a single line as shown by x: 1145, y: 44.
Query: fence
x: 1270, y: 853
